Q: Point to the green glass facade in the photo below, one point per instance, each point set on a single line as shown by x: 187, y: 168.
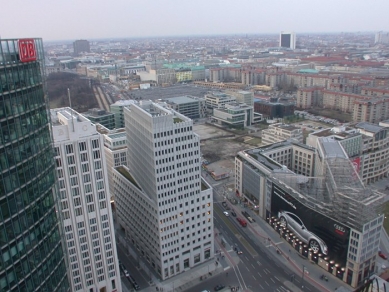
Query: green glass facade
x: 31, y: 256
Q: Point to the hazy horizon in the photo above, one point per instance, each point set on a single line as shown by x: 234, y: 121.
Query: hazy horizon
x: 124, y: 19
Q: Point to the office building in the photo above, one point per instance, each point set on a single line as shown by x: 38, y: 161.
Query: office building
x: 81, y: 46
x: 288, y: 40
x: 189, y: 106
x: 84, y: 203
x: 281, y: 132
x: 117, y: 109
x: 162, y: 203
x: 115, y: 148
x: 381, y: 37
x: 218, y: 100
x: 273, y: 109
x: 32, y: 257
x: 320, y: 203
x: 237, y: 115
x: 100, y: 116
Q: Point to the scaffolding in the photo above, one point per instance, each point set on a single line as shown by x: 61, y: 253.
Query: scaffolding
x: 339, y: 194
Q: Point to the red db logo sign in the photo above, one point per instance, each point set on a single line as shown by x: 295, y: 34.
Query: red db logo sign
x: 27, y: 52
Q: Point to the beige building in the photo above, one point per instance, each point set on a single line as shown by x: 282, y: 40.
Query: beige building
x: 371, y: 110
x: 342, y: 101
x: 218, y: 100
x: 374, y: 163
x: 281, y: 132
x: 308, y: 97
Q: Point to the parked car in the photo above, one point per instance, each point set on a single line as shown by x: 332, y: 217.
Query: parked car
x: 226, y: 213
x: 219, y: 287
x: 382, y: 255
x: 296, y: 225
x: 133, y: 282
x: 233, y: 213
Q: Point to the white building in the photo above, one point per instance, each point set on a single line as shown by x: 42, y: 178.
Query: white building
x: 162, y: 203
x: 218, y: 100
x: 115, y: 149
x: 234, y: 114
x: 84, y: 203
x: 288, y: 40
x: 281, y: 132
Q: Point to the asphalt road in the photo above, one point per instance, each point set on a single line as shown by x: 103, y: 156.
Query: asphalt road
x: 130, y: 265
x: 259, y: 268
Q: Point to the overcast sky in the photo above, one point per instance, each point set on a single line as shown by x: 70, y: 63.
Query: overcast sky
x: 87, y: 19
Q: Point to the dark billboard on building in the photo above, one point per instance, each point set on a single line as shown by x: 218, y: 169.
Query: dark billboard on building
x: 311, y: 227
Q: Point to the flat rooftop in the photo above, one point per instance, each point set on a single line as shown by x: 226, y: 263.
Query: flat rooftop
x: 369, y: 127
x: 332, y: 148
x: 181, y: 99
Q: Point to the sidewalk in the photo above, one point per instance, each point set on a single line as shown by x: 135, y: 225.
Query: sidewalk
x: 289, y: 257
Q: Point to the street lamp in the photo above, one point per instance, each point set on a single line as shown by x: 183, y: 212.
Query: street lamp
x: 302, y: 280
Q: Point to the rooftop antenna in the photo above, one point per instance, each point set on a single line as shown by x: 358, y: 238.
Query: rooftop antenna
x: 71, y: 110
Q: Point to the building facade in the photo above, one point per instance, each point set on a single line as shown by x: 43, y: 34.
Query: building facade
x: 162, y: 203
x: 115, y: 148
x: 85, y: 203
x: 99, y: 116
x: 281, y: 132
x: 32, y: 257
x: 190, y: 106
x: 344, y: 241
x: 81, y: 46
x: 288, y: 40
x: 234, y: 114
x: 117, y: 109
x: 218, y: 100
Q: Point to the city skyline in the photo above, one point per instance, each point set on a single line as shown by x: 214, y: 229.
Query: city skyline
x: 155, y: 19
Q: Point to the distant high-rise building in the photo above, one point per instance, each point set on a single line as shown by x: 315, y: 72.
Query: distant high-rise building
x: 381, y: 38
x: 32, y: 257
x: 162, y: 203
x: 81, y: 46
x: 288, y: 40
x: 84, y: 203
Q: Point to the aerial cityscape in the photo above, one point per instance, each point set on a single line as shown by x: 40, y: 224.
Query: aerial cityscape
x: 180, y: 155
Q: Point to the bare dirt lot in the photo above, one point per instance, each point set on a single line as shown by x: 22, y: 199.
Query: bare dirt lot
x: 219, y: 146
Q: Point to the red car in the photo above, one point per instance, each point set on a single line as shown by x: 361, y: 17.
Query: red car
x: 382, y: 255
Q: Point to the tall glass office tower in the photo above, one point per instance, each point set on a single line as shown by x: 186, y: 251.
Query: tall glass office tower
x: 31, y: 255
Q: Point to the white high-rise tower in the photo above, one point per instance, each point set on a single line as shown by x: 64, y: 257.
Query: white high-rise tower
x: 162, y: 202
x: 84, y: 203
x: 288, y: 40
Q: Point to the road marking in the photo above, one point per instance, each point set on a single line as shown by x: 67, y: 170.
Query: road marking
x: 261, y: 287
x: 277, y: 279
x: 277, y: 265
x: 308, y: 288
x: 259, y: 264
x: 272, y: 280
x: 265, y: 272
x: 268, y: 271
x: 259, y: 274
x: 247, y: 268
x: 254, y: 278
x: 267, y: 283
x: 253, y: 266
x: 279, y: 243
x: 226, y: 268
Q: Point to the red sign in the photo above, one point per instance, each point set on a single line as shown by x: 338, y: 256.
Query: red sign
x: 27, y: 51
